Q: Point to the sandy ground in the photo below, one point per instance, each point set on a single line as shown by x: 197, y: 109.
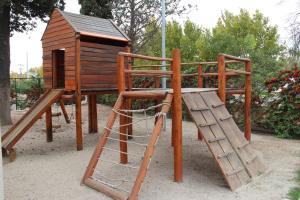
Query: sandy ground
x: 54, y: 170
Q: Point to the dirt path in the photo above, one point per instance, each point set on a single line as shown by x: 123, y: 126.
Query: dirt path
x: 54, y: 170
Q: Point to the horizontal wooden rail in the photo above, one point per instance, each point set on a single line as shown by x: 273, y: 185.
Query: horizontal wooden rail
x: 209, y: 74
x: 235, y: 58
x: 237, y: 71
x: 149, y: 72
x: 132, y: 55
x: 235, y: 91
x: 209, y: 63
x: 142, y: 66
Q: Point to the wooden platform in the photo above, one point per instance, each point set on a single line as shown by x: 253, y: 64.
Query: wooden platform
x: 14, y: 134
x: 232, y: 152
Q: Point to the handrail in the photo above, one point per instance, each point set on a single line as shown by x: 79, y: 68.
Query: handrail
x: 235, y: 58
x: 149, y: 72
x: 132, y: 55
x: 209, y: 63
x: 238, y: 71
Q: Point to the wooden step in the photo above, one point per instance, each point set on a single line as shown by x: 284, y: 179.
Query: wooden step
x: 216, y: 139
x: 207, y: 124
x: 67, y: 97
x: 56, y: 114
x: 225, y: 154
x: 235, y: 171
x: 199, y: 109
x: 217, y: 105
x: 225, y: 118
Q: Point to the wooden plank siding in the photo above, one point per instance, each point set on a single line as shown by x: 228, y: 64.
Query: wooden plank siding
x: 59, y: 35
x: 98, y: 65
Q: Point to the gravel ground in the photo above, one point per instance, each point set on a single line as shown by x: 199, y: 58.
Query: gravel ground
x: 54, y: 170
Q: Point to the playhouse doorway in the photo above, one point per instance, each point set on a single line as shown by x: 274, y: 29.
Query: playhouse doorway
x: 58, y: 68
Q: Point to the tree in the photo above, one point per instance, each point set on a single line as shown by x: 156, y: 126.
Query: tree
x: 96, y: 8
x: 133, y: 16
x: 17, y: 15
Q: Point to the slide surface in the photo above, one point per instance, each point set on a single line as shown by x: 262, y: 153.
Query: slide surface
x: 12, y: 136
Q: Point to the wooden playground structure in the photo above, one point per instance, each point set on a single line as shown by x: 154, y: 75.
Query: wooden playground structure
x: 91, y: 56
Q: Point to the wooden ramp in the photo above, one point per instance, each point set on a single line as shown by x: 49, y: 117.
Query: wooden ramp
x: 14, y: 134
x: 232, y: 152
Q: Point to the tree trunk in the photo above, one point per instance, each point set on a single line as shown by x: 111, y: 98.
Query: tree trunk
x: 5, y: 117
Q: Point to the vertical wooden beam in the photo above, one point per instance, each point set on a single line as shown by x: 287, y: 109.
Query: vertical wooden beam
x: 49, y: 132
x: 121, y: 88
x: 221, y: 78
x: 129, y: 101
x: 63, y: 109
x: 200, y: 85
x: 248, y: 88
x: 177, y: 116
x: 79, y: 136
x: 92, y: 113
x: 156, y: 85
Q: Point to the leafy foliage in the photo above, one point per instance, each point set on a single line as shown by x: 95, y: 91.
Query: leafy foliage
x: 23, y: 12
x: 96, y: 8
x: 284, y: 105
x: 294, y: 193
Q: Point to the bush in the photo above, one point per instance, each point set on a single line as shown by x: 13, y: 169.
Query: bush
x: 284, y: 103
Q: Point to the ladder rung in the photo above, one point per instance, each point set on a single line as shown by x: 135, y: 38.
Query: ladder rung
x: 207, y: 124
x: 56, y: 126
x: 218, y: 105
x: 199, y: 109
x: 226, y: 117
x: 56, y: 114
x: 235, y: 171
x: 243, y: 145
x: 251, y: 159
x: 67, y: 96
x: 216, y: 139
x: 225, y: 154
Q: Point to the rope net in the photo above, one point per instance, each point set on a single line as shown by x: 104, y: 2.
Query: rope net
x: 109, y: 170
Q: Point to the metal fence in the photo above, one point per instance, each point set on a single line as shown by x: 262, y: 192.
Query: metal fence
x: 25, y: 91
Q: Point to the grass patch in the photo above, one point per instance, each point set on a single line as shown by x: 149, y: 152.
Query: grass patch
x: 294, y: 193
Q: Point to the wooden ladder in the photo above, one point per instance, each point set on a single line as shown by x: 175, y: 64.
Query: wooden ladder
x: 99, y: 183
x: 232, y: 152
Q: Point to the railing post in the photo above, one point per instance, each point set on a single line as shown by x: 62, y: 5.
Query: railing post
x: 177, y: 116
x: 248, y: 88
x: 221, y: 78
x: 121, y: 88
x: 200, y: 85
x: 129, y: 101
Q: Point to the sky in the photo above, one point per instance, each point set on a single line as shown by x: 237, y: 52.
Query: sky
x: 207, y: 13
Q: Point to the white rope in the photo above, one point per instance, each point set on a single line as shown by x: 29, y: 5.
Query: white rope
x: 146, y: 109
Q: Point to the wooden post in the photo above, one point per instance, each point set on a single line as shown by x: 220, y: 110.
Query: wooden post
x: 63, y: 109
x: 156, y: 85
x: 79, y: 136
x: 129, y: 101
x: 248, y: 88
x: 121, y: 88
x: 200, y: 85
x: 49, y: 131
x: 92, y: 113
x: 221, y: 78
x: 177, y: 116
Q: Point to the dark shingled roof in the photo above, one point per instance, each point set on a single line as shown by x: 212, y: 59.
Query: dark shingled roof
x: 94, y: 26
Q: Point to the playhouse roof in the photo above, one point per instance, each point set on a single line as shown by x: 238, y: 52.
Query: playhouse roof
x: 94, y: 26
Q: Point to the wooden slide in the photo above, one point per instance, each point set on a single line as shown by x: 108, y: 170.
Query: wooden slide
x: 14, y: 134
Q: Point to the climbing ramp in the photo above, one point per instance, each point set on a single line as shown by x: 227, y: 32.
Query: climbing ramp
x: 14, y: 134
x: 232, y: 152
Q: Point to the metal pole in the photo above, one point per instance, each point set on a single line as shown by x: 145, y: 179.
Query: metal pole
x: 163, y: 48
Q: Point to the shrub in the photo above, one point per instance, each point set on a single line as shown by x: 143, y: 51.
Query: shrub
x: 284, y: 103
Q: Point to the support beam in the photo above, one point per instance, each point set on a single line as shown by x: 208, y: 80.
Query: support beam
x: 92, y: 113
x: 221, y: 78
x: 177, y: 116
x: 49, y: 131
x: 200, y: 85
x: 248, y: 89
x: 79, y: 136
x: 63, y: 108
